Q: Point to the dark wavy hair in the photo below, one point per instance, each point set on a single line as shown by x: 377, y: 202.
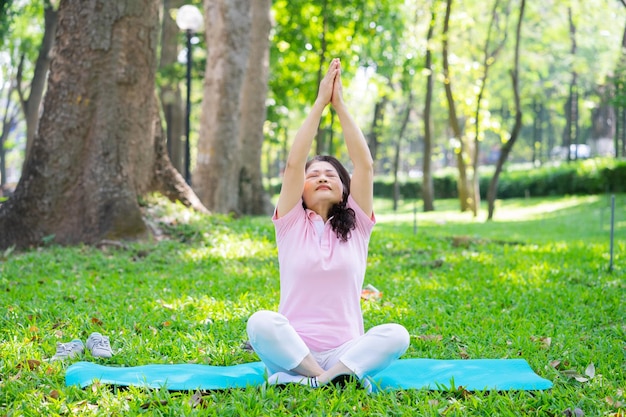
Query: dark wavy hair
x: 342, y: 218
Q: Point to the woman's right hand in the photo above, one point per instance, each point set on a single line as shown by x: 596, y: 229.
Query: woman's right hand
x: 337, y: 97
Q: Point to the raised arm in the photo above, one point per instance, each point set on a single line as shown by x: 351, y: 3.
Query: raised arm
x: 293, y: 178
x: 362, y: 182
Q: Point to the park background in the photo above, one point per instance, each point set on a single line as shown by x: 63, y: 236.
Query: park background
x: 506, y: 110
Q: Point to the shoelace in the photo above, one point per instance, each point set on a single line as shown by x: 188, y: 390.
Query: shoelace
x: 62, y: 349
x: 100, y: 342
x: 66, y: 349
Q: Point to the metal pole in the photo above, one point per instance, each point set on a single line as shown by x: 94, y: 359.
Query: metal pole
x: 188, y: 111
x: 612, y: 231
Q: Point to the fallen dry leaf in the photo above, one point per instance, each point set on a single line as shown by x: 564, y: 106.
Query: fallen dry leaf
x: 30, y: 364
x: 614, y: 403
x: 463, y: 353
x: 546, y: 342
x: 197, y: 400
x: 145, y: 406
x: 570, y: 373
x: 430, y: 337
x: 461, y: 241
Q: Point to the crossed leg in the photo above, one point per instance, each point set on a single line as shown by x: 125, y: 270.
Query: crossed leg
x: 282, y: 350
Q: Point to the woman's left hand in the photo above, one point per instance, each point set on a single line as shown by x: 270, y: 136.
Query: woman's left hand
x: 327, y: 85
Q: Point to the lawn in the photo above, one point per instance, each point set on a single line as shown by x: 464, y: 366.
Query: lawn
x: 532, y: 284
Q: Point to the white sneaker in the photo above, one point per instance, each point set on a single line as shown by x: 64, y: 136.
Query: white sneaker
x: 367, y: 385
x: 282, y: 378
x: 68, y: 350
x: 342, y: 380
x: 99, y: 345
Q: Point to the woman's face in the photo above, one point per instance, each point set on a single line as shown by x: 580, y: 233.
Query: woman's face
x: 322, y: 185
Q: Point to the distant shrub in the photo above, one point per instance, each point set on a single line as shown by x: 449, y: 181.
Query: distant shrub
x: 592, y: 176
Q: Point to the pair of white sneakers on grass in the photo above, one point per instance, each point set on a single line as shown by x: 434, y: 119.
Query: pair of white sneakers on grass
x: 97, y: 344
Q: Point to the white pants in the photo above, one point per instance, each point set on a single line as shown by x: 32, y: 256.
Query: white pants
x: 281, y: 349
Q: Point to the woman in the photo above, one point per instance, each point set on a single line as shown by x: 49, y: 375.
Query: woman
x: 323, y: 222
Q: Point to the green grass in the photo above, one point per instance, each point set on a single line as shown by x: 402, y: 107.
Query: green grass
x: 532, y: 284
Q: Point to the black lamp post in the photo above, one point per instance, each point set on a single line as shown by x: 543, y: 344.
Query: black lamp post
x: 190, y: 20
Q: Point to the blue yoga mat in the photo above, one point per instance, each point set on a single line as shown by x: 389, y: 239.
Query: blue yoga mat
x: 433, y: 374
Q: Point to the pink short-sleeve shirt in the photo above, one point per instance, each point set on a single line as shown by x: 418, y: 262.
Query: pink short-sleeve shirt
x: 321, y: 277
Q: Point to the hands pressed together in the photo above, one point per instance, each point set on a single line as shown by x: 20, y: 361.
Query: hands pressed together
x: 331, y: 89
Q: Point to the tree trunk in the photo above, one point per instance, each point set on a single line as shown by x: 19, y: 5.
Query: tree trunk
x: 170, y: 94
x: 165, y: 178
x: 506, y: 149
x: 620, y: 110
x: 252, y: 196
x: 32, y: 104
x: 99, y: 143
x: 462, y: 185
x: 603, y: 116
x: 428, y: 191
x: 373, y: 137
x: 216, y: 179
x: 398, y: 147
x: 9, y: 119
x: 537, y: 132
x: 428, y: 194
x: 489, y: 58
x: 570, y: 136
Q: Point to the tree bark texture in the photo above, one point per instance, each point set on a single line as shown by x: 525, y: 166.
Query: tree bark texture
x: 252, y: 196
x: 216, y: 178
x: 99, y: 143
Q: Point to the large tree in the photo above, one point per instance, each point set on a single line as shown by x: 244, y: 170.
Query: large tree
x: 228, y: 176
x: 216, y: 178
x: 253, y: 199
x: 99, y: 144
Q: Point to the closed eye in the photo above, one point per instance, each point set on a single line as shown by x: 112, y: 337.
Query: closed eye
x: 316, y: 173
